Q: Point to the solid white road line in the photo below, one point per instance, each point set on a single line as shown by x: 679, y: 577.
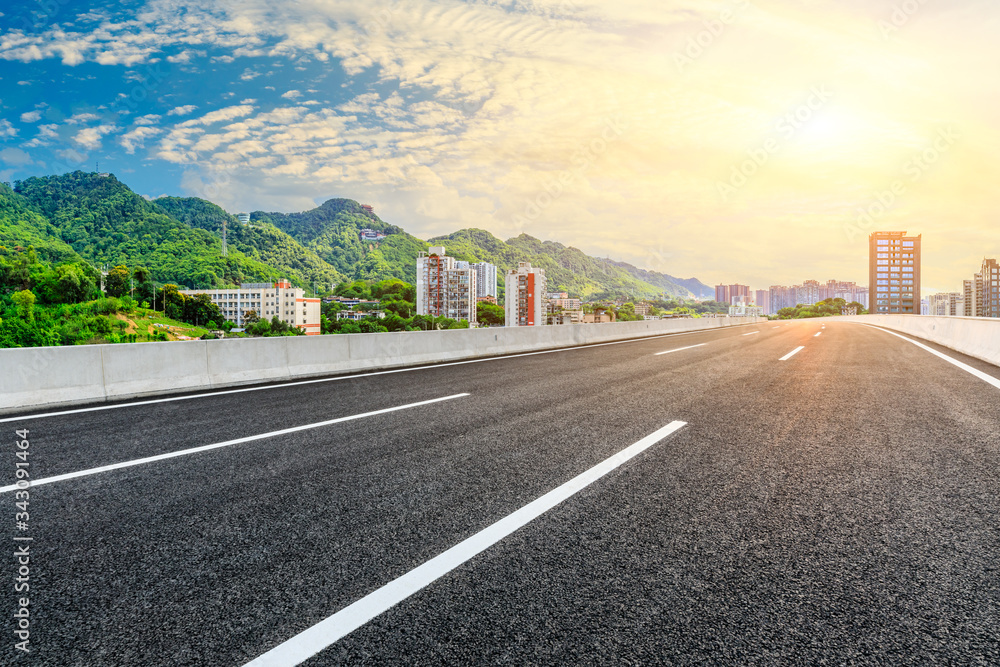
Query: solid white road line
x: 680, y: 349
x: 341, y: 378
x: 817, y: 333
x: 227, y: 443
x: 309, y: 642
x: 792, y: 353
x: 778, y: 327
x: 989, y: 379
x: 752, y: 333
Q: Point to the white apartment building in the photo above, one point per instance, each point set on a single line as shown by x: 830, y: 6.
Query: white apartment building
x: 268, y: 300
x: 444, y: 288
x: 525, y: 296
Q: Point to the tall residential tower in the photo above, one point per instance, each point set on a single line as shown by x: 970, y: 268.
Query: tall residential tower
x: 894, y: 273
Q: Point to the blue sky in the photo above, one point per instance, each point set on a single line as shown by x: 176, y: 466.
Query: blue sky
x: 730, y: 140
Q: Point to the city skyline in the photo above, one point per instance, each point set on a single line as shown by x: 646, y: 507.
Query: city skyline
x: 759, y: 136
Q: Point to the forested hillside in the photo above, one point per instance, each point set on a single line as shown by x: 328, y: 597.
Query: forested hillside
x: 333, y: 231
x: 259, y: 241
x: 106, y: 223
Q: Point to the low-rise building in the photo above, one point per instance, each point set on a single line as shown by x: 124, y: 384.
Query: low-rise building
x: 289, y: 304
x: 358, y: 315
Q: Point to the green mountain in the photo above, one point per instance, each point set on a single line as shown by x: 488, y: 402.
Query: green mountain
x: 567, y: 269
x: 259, y: 241
x: 103, y: 221
x: 21, y: 227
x: 99, y: 219
x: 333, y: 231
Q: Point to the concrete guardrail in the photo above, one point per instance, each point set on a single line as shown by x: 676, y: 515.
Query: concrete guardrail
x: 977, y: 337
x: 33, y: 378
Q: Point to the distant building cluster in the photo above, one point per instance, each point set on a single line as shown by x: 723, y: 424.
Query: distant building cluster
x: 981, y: 294
x: 289, y: 304
x: 743, y: 301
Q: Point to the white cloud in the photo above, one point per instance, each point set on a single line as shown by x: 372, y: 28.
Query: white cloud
x: 182, y: 111
x: 148, y: 119
x: 31, y: 116
x: 249, y: 75
x: 185, y: 56
x: 226, y: 113
x: 248, y: 100
x: 81, y: 118
x: 15, y: 157
x: 6, y: 129
x: 45, y: 134
x: 90, y: 137
x: 291, y: 95
x: 136, y: 138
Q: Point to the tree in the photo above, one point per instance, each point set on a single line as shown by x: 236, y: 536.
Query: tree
x: 199, y: 309
x: 173, y: 302
x: 369, y: 325
x: 24, y: 301
x: 489, y: 314
x: 117, y: 281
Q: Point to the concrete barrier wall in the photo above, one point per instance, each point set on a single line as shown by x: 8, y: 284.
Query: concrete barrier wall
x: 977, y: 337
x: 32, y: 378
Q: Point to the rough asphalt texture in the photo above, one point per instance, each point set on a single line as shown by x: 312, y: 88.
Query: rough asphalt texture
x: 842, y: 507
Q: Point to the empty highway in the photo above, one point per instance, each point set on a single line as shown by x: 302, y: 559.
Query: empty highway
x: 807, y: 492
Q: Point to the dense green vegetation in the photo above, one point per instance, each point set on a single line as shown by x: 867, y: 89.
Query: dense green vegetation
x: 825, y: 308
x: 333, y: 232
x: 107, y: 224
x: 259, y: 241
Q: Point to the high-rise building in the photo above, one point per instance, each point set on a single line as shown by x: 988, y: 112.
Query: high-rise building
x: 524, y: 294
x: 444, y: 289
x: 763, y: 300
x: 726, y: 293
x: 971, y: 293
x: 990, y: 281
x: 894, y: 273
x: 289, y: 304
x: 486, y: 279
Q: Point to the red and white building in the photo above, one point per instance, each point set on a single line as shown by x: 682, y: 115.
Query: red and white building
x: 525, y: 296
x: 289, y: 304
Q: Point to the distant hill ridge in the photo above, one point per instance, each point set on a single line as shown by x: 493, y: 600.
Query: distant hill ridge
x: 98, y: 218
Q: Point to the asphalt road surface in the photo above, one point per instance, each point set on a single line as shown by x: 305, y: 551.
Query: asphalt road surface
x: 723, y: 503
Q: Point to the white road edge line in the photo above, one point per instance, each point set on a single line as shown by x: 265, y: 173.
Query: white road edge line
x: 311, y: 641
x: 341, y: 378
x: 751, y: 333
x: 227, y: 443
x: 792, y: 353
x: 817, y: 333
x: 989, y: 379
x: 681, y: 349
